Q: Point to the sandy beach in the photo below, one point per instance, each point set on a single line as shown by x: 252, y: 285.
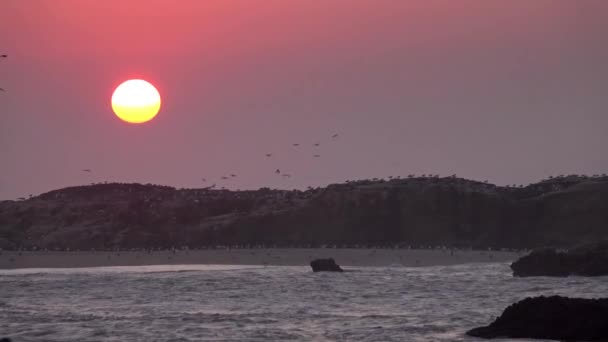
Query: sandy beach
x: 270, y: 256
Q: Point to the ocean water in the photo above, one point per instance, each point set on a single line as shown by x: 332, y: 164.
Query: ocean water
x: 244, y: 303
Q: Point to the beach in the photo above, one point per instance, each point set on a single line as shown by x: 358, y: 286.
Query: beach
x: 261, y: 256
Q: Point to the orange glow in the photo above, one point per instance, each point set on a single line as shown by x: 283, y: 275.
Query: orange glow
x: 136, y: 101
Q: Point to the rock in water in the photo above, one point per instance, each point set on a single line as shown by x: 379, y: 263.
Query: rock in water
x: 588, y: 260
x: 325, y: 265
x: 555, y: 318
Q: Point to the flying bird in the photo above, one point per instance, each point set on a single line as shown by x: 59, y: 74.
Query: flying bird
x: 86, y: 170
x: 335, y: 136
x: 268, y: 154
x: 224, y: 177
x: 296, y: 145
x: 278, y: 171
x: 232, y: 175
x: 3, y: 56
x: 317, y: 144
x: 204, y: 180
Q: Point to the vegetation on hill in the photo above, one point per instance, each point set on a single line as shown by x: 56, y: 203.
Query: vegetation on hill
x: 413, y: 211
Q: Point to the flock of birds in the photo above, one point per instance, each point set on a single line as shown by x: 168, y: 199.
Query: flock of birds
x: 267, y: 155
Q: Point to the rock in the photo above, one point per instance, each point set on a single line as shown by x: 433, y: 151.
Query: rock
x: 325, y: 265
x: 588, y: 260
x: 5, y: 339
x: 555, y: 318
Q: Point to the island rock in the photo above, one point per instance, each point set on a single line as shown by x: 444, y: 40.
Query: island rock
x: 588, y: 260
x: 555, y: 318
x: 325, y: 265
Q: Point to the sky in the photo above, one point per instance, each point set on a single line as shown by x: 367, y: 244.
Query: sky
x: 505, y: 91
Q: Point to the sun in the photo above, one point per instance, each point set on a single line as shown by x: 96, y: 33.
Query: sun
x: 136, y: 101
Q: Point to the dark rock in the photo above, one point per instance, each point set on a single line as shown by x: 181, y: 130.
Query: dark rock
x: 555, y: 318
x: 5, y: 339
x: 325, y: 265
x: 588, y: 260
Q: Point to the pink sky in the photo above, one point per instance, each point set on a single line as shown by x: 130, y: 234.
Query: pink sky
x: 508, y: 91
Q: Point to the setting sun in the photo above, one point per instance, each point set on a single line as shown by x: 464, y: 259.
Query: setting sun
x: 136, y: 101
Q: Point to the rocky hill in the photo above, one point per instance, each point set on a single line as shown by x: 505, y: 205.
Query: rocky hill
x: 415, y: 211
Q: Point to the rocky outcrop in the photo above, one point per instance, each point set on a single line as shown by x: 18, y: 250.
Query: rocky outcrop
x: 555, y: 318
x: 325, y: 265
x: 588, y: 260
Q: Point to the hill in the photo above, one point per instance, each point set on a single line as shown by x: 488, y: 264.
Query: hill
x: 415, y: 211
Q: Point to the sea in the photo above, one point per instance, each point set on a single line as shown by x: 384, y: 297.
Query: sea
x: 250, y: 303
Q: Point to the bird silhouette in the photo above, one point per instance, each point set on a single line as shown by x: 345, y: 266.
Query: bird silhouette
x: 296, y: 145
x: 86, y: 170
x: 335, y: 136
x: 204, y: 180
x: 224, y: 177
x: 278, y: 171
x: 317, y: 144
x: 3, y: 56
x: 268, y: 154
x: 232, y: 175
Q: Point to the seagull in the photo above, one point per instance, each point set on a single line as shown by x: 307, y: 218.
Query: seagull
x: 86, y: 170
x: 3, y: 56
x: 278, y: 171
x: 268, y: 154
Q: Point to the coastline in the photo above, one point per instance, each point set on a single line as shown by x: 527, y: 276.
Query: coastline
x: 262, y: 256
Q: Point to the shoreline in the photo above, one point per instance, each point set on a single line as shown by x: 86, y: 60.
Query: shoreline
x: 262, y: 256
